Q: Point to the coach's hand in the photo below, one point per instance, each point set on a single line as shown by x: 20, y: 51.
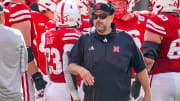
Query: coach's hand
x: 86, y: 76
x: 146, y: 98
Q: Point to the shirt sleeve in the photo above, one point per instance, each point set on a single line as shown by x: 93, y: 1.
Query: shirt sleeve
x: 23, y: 55
x: 157, y: 24
x: 76, y: 54
x: 138, y: 62
x: 70, y: 38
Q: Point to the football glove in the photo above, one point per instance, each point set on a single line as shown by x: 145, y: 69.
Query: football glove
x: 136, y: 87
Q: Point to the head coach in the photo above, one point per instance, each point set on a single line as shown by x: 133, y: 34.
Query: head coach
x: 104, y: 59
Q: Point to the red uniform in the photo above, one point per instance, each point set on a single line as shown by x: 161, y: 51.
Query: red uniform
x: 168, y: 59
x: 50, y: 25
x: 55, y: 43
x: 85, y: 26
x: 40, y: 21
x: 166, y: 74
x: 134, y: 26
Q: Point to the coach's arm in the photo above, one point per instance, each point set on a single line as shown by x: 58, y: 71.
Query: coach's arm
x: 143, y: 78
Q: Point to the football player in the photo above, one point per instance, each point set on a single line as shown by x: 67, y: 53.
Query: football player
x: 162, y: 44
x: 58, y: 44
x: 41, y: 20
x: 85, y: 7
x: 132, y: 22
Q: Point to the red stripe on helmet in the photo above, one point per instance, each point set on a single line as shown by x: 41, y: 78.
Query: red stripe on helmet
x: 62, y: 10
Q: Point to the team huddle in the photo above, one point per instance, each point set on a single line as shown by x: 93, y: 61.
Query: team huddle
x: 61, y: 46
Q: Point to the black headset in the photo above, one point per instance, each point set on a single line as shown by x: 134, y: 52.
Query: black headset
x: 1, y: 7
x: 111, y: 8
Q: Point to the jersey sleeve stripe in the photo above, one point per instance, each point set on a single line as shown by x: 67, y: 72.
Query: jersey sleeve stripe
x: 154, y: 29
x: 70, y: 38
x: 72, y: 34
x: 20, y: 13
x: 155, y: 25
x: 86, y: 29
x: 20, y: 18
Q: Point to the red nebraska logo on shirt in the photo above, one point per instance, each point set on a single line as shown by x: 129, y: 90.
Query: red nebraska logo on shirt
x: 98, y: 6
x: 116, y: 49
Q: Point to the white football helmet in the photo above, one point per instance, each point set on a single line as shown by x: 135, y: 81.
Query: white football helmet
x: 131, y: 4
x: 166, y: 6
x: 67, y: 14
x: 101, y: 1
x: 47, y: 5
x: 84, y: 6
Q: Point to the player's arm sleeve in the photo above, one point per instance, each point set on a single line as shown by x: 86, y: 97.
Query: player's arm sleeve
x: 68, y: 77
x: 137, y: 61
x: 19, y: 18
x: 157, y: 24
x: 19, y: 13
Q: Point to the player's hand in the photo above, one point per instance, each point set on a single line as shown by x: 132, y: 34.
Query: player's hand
x: 86, y: 76
x: 40, y: 83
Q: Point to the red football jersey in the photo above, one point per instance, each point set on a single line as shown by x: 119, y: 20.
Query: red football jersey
x: 135, y: 26
x: 168, y: 26
x: 50, y: 25
x: 85, y: 26
x: 57, y: 44
x: 19, y: 12
x: 40, y: 21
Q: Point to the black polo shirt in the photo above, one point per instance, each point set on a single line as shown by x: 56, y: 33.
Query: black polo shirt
x: 109, y: 58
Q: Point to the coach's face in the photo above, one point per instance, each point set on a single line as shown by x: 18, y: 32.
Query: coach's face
x: 102, y: 22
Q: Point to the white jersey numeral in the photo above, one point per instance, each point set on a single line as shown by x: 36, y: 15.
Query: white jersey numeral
x: 174, y: 50
x: 56, y: 60
x: 42, y: 44
x: 163, y: 17
x: 136, y: 33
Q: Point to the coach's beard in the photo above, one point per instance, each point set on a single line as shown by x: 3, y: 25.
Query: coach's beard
x: 100, y: 27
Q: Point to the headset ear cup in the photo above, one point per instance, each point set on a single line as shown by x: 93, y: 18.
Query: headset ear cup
x: 112, y: 8
x: 91, y: 20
